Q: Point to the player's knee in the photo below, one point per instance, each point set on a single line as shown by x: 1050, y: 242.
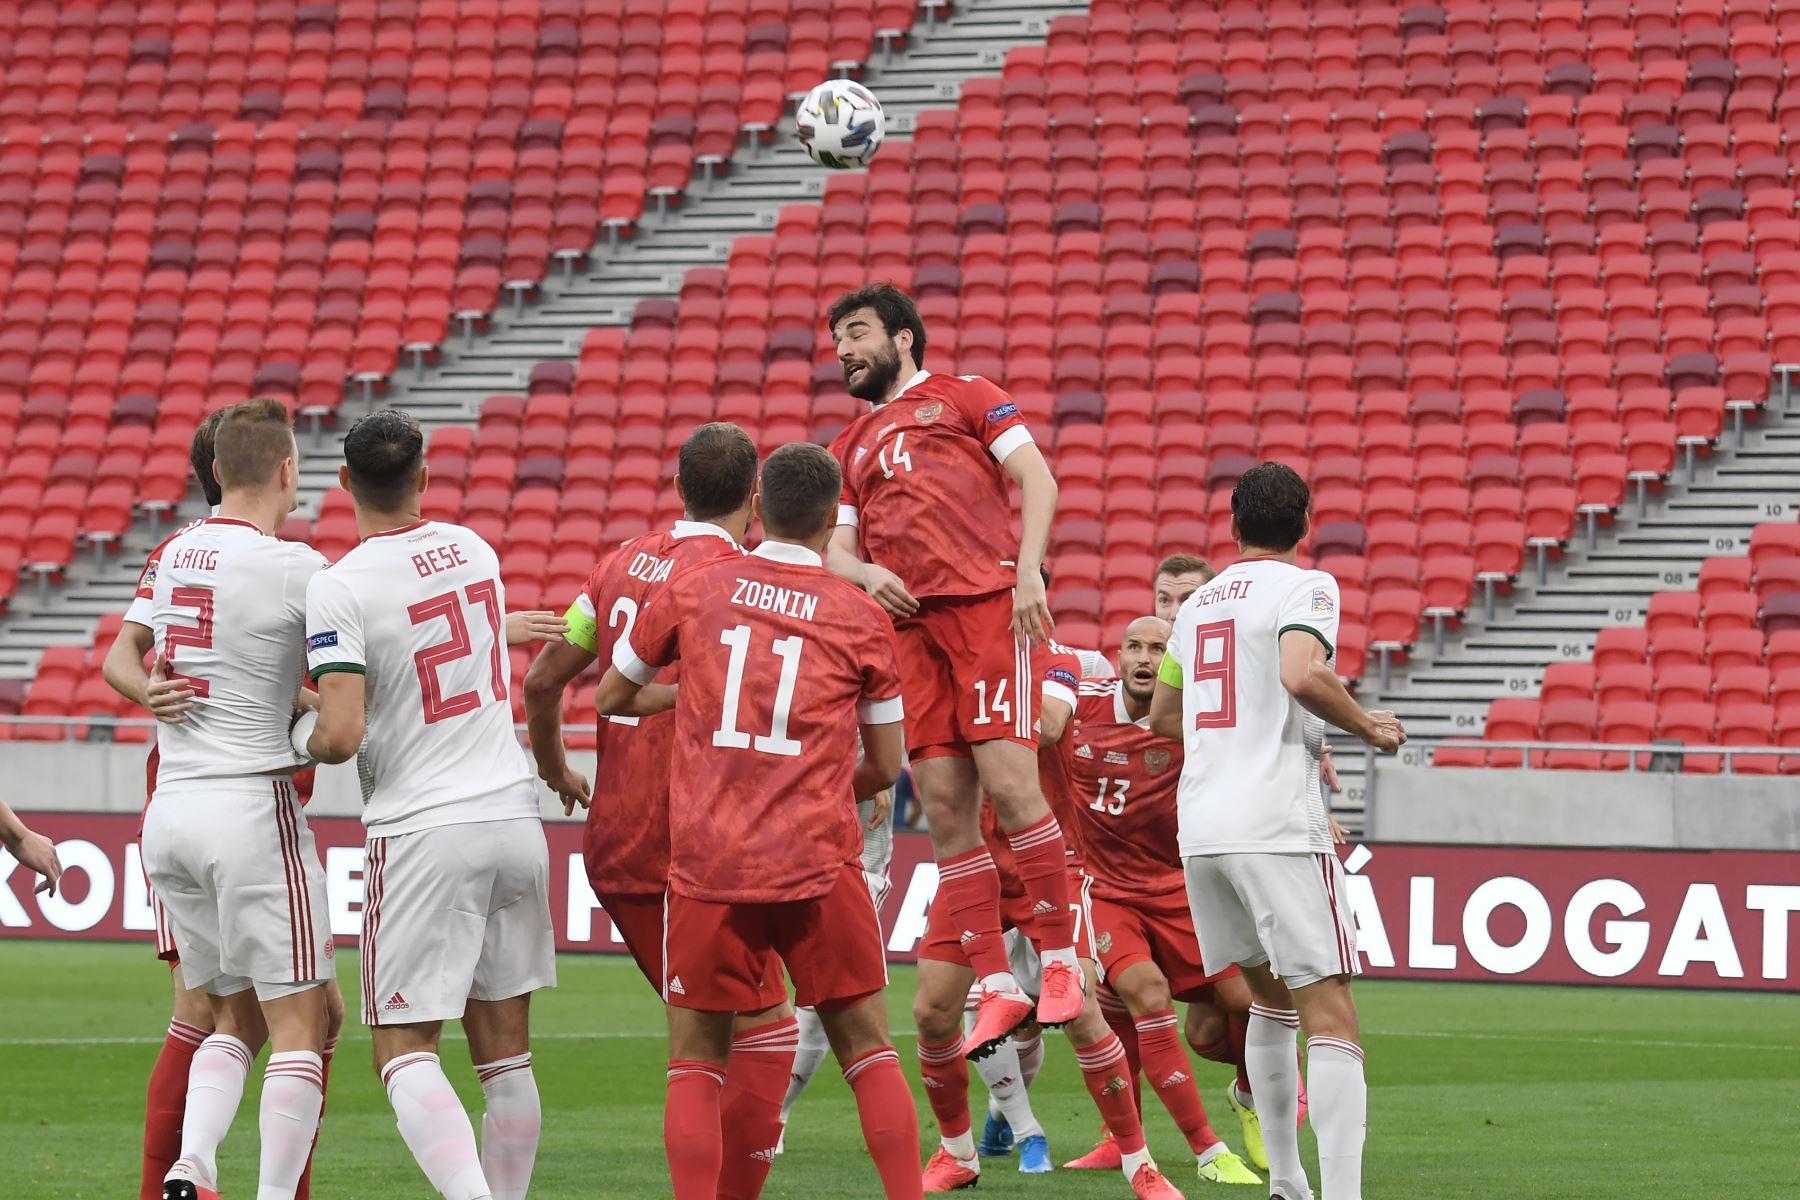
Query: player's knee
x: 937, y: 1018
x: 1150, y: 995
x: 1206, y: 1030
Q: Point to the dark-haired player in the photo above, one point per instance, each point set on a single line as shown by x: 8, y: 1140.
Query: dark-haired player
x: 1125, y: 777
x: 782, y: 665
x: 406, y: 644
x: 925, y: 528
x: 626, y: 843
x: 1247, y: 686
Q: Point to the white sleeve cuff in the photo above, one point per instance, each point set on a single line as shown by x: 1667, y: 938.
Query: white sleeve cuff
x: 139, y: 612
x: 630, y: 665
x: 1094, y: 664
x: 880, y: 712
x: 1059, y: 691
x: 847, y: 515
x: 1003, y: 446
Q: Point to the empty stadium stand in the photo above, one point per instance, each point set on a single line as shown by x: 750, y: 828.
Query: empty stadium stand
x: 1508, y: 281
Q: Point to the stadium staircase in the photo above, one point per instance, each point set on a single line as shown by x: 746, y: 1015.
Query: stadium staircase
x: 927, y: 72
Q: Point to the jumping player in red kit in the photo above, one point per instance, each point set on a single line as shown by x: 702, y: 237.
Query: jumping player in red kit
x: 782, y: 666
x: 626, y: 842
x: 924, y: 527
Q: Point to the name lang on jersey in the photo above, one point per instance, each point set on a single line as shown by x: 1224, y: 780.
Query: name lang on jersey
x: 438, y: 558
x: 193, y: 558
x: 650, y: 568
x: 753, y: 593
x: 1225, y: 589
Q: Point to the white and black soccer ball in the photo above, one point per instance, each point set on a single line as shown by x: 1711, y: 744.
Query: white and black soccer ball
x: 840, y: 123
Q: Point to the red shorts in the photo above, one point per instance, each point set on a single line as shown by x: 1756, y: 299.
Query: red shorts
x: 943, y: 938
x: 1157, y: 930
x: 964, y: 678
x: 638, y: 919
x: 727, y: 955
x: 165, y: 936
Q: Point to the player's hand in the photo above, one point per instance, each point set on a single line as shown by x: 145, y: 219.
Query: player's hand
x: 38, y: 853
x: 168, y: 700
x: 1031, y: 610
x: 888, y: 591
x: 1338, y: 836
x: 1385, y: 732
x: 1328, y: 769
x: 881, y: 804
x: 571, y: 787
x: 534, y: 625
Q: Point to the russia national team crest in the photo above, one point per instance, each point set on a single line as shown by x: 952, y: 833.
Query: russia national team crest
x: 927, y: 413
x: 1104, y: 943
x: 1157, y: 759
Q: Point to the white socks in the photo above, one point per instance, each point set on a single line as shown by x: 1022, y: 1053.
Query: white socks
x: 215, y: 1086
x: 814, y: 1046
x: 1031, y: 1058
x: 293, y: 1093
x: 1270, y: 1039
x: 435, y: 1127
x: 1340, y: 1110
x: 1004, y: 1076
x: 510, y: 1128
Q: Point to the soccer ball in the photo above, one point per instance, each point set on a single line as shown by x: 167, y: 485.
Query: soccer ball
x: 840, y: 123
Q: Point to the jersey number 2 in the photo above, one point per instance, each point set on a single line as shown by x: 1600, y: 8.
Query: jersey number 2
x: 199, y: 635
x: 429, y: 660
x: 1215, y: 661
x: 776, y: 741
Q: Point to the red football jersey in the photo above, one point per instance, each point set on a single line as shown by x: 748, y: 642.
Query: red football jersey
x: 1124, y: 778
x: 924, y: 487
x: 627, y: 840
x: 780, y: 660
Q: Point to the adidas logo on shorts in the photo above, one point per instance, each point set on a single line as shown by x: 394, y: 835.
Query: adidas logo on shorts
x: 1042, y: 907
x: 675, y: 987
x: 396, y: 1003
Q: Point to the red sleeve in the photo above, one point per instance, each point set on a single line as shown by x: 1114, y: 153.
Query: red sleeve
x: 654, y: 640
x: 840, y: 450
x: 880, y: 704
x: 992, y: 414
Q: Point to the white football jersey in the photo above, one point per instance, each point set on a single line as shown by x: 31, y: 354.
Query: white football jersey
x: 227, y: 605
x: 1250, y: 782
x: 420, y: 613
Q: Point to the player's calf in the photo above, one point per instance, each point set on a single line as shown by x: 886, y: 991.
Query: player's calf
x: 890, y: 1123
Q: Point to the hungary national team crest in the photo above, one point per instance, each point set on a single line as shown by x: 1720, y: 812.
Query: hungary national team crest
x: 1157, y: 759
x: 928, y: 413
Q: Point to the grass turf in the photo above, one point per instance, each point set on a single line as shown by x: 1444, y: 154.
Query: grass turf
x: 1475, y: 1091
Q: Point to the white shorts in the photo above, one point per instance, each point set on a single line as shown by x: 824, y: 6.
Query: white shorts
x: 453, y: 914
x: 235, y: 869
x: 1282, y: 909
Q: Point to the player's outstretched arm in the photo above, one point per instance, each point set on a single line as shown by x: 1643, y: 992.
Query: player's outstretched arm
x: 882, y: 584
x: 1037, y: 508
x: 340, y: 726
x: 1053, y: 721
x: 619, y: 696
x: 535, y: 625
x: 123, y: 669
x: 884, y: 753
x: 36, y: 851
x: 551, y: 671
x: 1309, y: 679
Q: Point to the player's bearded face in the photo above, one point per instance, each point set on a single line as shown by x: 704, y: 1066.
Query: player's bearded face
x: 1137, y: 668
x: 870, y: 373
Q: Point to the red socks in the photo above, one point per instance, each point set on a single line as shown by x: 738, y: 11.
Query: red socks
x: 971, y: 890
x: 946, y: 1074
x: 756, y: 1081
x: 691, y: 1131
x: 1103, y: 1069
x: 165, y: 1105
x: 1166, y: 1066
x: 1239, y: 1025
x: 1038, y: 850
x: 303, y: 1191
x: 890, y: 1124
x: 1118, y: 1018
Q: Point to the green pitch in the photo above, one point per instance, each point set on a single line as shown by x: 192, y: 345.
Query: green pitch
x: 1475, y: 1091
